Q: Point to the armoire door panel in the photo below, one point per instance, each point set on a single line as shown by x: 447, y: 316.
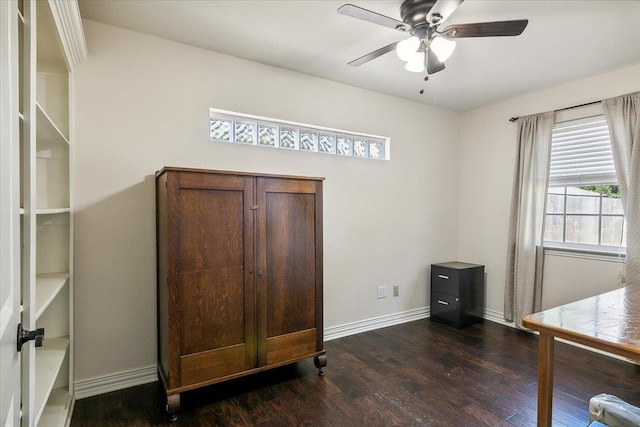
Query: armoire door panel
x: 211, y: 231
x: 291, y: 346
x: 211, y: 269
x: 208, y: 365
x: 213, y: 310
x: 290, y: 262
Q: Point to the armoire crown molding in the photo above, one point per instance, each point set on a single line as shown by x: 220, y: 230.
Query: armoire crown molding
x: 66, y: 15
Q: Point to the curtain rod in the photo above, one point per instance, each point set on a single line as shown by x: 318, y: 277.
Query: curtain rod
x: 513, y: 119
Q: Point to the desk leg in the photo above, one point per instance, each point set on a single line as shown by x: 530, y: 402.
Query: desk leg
x: 545, y: 380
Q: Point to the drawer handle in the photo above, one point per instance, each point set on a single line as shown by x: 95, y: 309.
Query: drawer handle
x: 442, y: 276
x: 442, y: 302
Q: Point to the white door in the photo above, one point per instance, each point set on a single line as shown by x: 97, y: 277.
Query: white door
x: 9, y: 217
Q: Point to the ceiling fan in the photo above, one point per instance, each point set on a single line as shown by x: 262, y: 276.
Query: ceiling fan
x: 428, y: 47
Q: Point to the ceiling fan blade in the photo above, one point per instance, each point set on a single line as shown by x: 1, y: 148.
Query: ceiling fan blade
x: 486, y: 29
x: 369, y: 16
x: 433, y: 63
x: 444, y: 8
x: 373, y: 55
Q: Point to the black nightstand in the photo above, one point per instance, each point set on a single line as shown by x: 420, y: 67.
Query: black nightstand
x: 457, y: 293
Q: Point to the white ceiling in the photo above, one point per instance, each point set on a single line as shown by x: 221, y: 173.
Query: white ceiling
x: 565, y: 41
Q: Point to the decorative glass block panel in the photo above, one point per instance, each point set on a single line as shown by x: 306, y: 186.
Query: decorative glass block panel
x: 376, y: 150
x: 245, y: 132
x: 361, y: 148
x: 327, y: 144
x: 345, y: 146
x: 220, y: 129
x: 267, y: 135
x: 261, y: 131
x: 308, y: 140
x: 288, y: 138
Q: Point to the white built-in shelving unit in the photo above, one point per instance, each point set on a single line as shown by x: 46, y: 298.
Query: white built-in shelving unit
x: 45, y: 207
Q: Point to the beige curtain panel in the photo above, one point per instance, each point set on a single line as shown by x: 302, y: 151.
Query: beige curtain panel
x: 523, y: 286
x: 623, y: 118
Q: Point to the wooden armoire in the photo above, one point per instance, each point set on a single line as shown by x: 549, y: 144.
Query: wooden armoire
x: 239, y: 275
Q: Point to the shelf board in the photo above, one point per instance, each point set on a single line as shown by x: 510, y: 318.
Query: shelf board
x: 46, y: 130
x: 49, y: 360
x: 51, y: 211
x: 47, y: 288
x: 57, y: 408
x: 48, y: 211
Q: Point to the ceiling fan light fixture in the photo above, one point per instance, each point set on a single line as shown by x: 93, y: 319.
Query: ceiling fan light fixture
x: 415, y: 63
x: 407, y: 48
x: 442, y: 47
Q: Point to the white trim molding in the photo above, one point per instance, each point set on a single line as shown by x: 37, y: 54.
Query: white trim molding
x: 497, y: 317
x: 112, y: 382
x: 66, y: 15
x: 121, y: 380
x: 340, y: 331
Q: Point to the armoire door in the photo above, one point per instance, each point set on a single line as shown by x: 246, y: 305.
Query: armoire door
x: 289, y: 285
x: 212, y: 259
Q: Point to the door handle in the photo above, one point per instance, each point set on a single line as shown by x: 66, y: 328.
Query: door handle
x: 25, y: 336
x: 442, y: 302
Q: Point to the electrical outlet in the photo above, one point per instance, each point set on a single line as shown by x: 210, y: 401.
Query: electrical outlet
x: 382, y: 292
x: 396, y: 291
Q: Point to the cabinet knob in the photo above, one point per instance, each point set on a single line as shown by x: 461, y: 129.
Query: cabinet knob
x: 259, y: 272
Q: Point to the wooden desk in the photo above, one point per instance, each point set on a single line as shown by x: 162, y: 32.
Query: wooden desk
x: 608, y: 322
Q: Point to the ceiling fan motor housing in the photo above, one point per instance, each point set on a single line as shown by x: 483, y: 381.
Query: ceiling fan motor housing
x: 415, y: 12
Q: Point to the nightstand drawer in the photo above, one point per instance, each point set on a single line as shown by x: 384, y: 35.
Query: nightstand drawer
x: 445, y: 281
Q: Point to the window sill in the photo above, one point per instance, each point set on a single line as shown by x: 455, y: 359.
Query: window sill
x: 600, y: 254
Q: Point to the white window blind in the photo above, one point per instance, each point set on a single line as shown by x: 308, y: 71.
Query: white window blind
x: 581, y: 153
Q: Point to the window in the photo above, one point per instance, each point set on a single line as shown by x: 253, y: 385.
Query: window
x: 244, y: 129
x: 584, y: 210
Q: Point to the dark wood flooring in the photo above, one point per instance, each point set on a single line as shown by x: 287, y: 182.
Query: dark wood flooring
x: 416, y: 374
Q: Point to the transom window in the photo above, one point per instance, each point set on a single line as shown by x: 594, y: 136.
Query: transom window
x: 584, y: 209
x: 244, y: 129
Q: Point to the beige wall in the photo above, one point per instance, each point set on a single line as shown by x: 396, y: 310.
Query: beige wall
x: 487, y: 155
x: 142, y: 103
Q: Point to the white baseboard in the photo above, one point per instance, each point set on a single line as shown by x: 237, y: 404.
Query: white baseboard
x: 497, y: 317
x: 112, y: 382
x: 340, y: 331
x: 120, y: 380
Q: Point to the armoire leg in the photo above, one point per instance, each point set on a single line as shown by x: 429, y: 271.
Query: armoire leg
x: 173, y: 406
x: 320, y: 362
